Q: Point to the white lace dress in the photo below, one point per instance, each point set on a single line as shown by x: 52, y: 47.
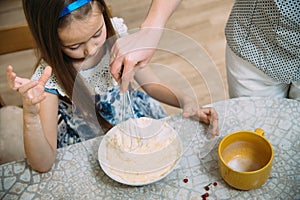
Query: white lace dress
x: 71, y: 127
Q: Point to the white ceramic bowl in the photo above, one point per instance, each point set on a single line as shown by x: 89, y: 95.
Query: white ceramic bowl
x: 149, y: 155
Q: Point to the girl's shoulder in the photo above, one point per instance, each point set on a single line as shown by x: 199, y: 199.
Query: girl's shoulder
x: 52, y: 85
x: 119, y: 26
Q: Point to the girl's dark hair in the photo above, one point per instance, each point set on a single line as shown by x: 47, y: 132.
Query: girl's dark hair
x: 43, y: 20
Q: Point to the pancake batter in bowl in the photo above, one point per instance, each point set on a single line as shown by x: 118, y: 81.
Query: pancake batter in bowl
x: 154, y: 156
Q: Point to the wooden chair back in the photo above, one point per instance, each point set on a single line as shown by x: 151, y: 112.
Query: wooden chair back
x: 15, y: 38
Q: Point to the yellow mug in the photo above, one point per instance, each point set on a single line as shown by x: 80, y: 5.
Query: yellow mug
x: 245, y: 159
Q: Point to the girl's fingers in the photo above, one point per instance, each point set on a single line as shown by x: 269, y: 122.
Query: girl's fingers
x: 9, y: 70
x: 38, y: 99
x: 214, y: 114
x: 24, y: 89
x: 37, y: 94
x: 213, y: 120
x: 211, y: 113
x: 13, y: 80
x: 215, y: 128
x: 45, y: 76
x: 33, y: 93
x: 185, y: 114
x: 190, y: 109
x: 204, y: 116
x: 10, y: 76
x: 189, y: 113
x: 210, y: 116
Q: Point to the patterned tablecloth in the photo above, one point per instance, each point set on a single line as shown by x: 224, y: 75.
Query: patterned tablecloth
x: 76, y: 174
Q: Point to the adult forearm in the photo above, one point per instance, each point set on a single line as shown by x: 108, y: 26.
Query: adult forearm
x: 159, y: 13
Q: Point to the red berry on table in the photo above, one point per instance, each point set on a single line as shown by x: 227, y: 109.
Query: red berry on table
x: 204, y: 196
x: 206, y: 188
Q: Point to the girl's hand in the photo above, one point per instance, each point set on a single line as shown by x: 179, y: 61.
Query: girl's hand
x: 14, y: 82
x: 206, y: 115
x: 32, y: 92
x: 210, y: 116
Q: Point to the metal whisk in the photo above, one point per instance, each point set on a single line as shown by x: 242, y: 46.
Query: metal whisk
x: 128, y: 122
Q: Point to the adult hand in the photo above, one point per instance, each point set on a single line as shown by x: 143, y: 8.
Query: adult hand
x: 132, y: 51
x: 32, y: 92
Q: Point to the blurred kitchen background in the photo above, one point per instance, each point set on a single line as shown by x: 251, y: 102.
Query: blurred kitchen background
x: 202, y: 21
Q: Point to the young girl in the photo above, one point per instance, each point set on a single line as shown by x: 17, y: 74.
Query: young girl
x: 72, y: 38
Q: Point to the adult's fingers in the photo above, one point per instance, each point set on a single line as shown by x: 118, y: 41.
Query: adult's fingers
x: 116, y: 68
x: 114, y: 52
x: 126, y: 73
x: 116, y: 62
x: 126, y: 78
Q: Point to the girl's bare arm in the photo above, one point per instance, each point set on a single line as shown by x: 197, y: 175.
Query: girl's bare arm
x: 164, y: 93
x: 39, y: 117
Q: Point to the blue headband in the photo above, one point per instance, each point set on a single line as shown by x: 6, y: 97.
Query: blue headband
x: 73, y: 6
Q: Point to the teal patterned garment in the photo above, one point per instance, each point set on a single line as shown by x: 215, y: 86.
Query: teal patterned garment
x: 113, y: 108
x: 72, y: 128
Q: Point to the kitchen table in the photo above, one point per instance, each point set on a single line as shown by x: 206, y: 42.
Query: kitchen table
x: 76, y: 173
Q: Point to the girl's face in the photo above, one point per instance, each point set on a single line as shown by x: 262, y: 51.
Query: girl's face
x: 81, y: 39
